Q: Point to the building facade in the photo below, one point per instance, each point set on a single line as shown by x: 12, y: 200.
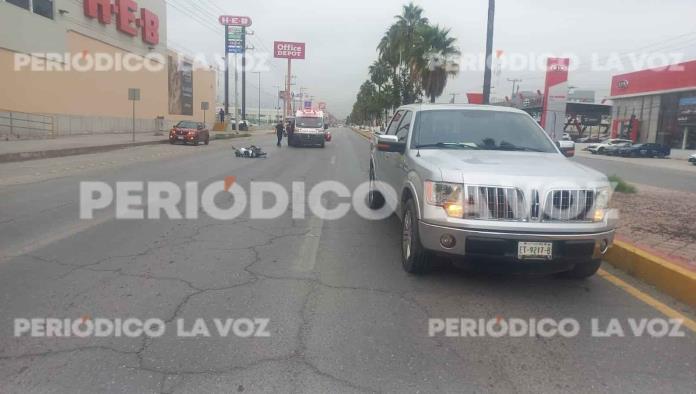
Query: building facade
x: 75, y: 60
x: 656, y: 105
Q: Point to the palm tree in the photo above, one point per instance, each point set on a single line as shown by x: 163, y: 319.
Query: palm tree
x: 432, y: 61
x: 379, y: 75
x: 397, y: 49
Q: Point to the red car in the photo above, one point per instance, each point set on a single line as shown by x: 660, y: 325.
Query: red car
x: 189, y: 132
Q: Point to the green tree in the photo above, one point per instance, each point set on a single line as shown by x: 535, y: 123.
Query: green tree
x: 432, y: 61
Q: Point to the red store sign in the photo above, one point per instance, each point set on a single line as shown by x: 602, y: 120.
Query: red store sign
x: 231, y: 20
x: 289, y: 50
x: 127, y: 20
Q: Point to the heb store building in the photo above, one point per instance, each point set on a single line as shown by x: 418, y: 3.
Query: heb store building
x: 656, y: 106
x: 46, y: 47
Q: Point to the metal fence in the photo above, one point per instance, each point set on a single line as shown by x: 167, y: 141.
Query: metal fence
x: 21, y: 125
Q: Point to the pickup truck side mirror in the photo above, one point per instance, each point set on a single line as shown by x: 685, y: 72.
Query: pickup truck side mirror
x: 390, y: 143
x: 566, y: 147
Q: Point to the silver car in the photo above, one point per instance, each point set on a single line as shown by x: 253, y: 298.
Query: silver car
x: 488, y: 186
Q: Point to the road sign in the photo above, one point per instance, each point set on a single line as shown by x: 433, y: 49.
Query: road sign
x: 231, y: 20
x: 134, y: 94
x: 205, y: 105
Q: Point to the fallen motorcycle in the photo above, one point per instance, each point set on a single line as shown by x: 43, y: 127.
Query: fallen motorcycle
x: 252, y: 152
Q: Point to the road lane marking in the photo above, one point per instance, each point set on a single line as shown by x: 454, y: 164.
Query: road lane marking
x: 307, y: 256
x: 661, y: 307
x: 333, y: 160
x: 56, y: 235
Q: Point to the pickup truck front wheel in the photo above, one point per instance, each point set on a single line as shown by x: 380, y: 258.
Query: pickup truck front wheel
x: 582, y: 270
x: 414, y: 258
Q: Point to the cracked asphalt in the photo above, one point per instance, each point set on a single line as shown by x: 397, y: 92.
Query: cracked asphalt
x: 343, y: 316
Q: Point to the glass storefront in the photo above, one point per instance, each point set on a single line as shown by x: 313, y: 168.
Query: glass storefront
x: 677, y: 118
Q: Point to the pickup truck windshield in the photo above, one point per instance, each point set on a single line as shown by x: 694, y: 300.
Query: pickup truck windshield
x: 481, y: 130
x: 314, y: 123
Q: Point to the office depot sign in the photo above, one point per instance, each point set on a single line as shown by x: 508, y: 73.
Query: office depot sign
x: 289, y: 50
x: 128, y: 19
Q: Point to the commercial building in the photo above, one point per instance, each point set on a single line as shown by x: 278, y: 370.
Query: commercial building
x: 656, y: 105
x: 66, y: 67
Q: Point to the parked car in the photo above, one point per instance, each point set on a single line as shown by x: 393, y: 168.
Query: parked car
x: 589, y: 140
x: 188, y: 132
x: 692, y: 159
x: 614, y: 149
x: 645, y: 150
x: 487, y: 186
x: 602, y: 146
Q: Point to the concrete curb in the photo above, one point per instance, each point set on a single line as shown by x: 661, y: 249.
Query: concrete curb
x: 46, y: 154
x: 365, y: 134
x: 668, y: 277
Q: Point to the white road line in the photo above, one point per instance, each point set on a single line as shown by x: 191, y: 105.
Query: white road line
x: 307, y: 256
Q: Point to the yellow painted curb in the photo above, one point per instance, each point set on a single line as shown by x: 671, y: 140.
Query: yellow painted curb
x: 670, y: 278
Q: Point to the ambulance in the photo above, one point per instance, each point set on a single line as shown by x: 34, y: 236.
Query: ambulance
x: 310, y: 128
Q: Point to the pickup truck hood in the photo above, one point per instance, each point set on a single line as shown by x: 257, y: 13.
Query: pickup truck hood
x: 505, y: 168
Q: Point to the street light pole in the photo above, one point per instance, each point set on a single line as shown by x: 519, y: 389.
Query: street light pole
x: 489, y: 53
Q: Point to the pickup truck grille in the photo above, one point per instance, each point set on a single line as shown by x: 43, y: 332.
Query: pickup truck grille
x: 494, y: 203
x: 509, y: 204
x: 568, y: 205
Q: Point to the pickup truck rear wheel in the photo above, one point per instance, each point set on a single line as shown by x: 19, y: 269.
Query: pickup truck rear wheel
x: 375, y: 199
x: 582, y: 270
x: 414, y: 258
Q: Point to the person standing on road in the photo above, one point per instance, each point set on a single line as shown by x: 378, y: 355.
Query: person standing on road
x: 290, y: 130
x: 279, y: 132
x: 222, y: 115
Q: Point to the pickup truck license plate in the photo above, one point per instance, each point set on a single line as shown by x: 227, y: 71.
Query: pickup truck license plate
x: 535, y: 250
x: 180, y: 137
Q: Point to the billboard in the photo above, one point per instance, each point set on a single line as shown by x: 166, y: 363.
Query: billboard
x: 289, y: 50
x: 180, y: 75
x: 553, y: 116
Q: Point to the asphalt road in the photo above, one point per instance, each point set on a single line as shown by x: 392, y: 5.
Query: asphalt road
x: 343, y: 316
x: 641, y: 171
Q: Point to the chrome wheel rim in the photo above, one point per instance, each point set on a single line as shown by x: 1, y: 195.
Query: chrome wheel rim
x: 406, y: 236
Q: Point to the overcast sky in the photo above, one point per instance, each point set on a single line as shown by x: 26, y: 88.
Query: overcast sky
x: 342, y: 35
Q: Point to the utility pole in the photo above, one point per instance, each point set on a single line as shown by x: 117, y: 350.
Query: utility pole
x: 489, y: 53
x: 514, y: 84
x: 236, y: 95
x: 227, y: 72
x: 259, y: 73
x: 243, y: 73
x: 454, y: 96
x: 277, y: 106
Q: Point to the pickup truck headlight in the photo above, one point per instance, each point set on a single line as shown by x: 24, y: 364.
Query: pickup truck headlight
x: 601, y: 204
x: 449, y: 196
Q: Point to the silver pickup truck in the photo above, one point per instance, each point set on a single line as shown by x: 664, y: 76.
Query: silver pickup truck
x: 487, y: 186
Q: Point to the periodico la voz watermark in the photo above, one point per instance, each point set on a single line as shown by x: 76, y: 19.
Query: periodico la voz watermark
x: 327, y: 200
x: 500, y: 327
x: 100, y: 327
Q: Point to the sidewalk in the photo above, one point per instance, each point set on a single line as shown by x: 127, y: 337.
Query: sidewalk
x: 21, y: 150
x: 73, y: 145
